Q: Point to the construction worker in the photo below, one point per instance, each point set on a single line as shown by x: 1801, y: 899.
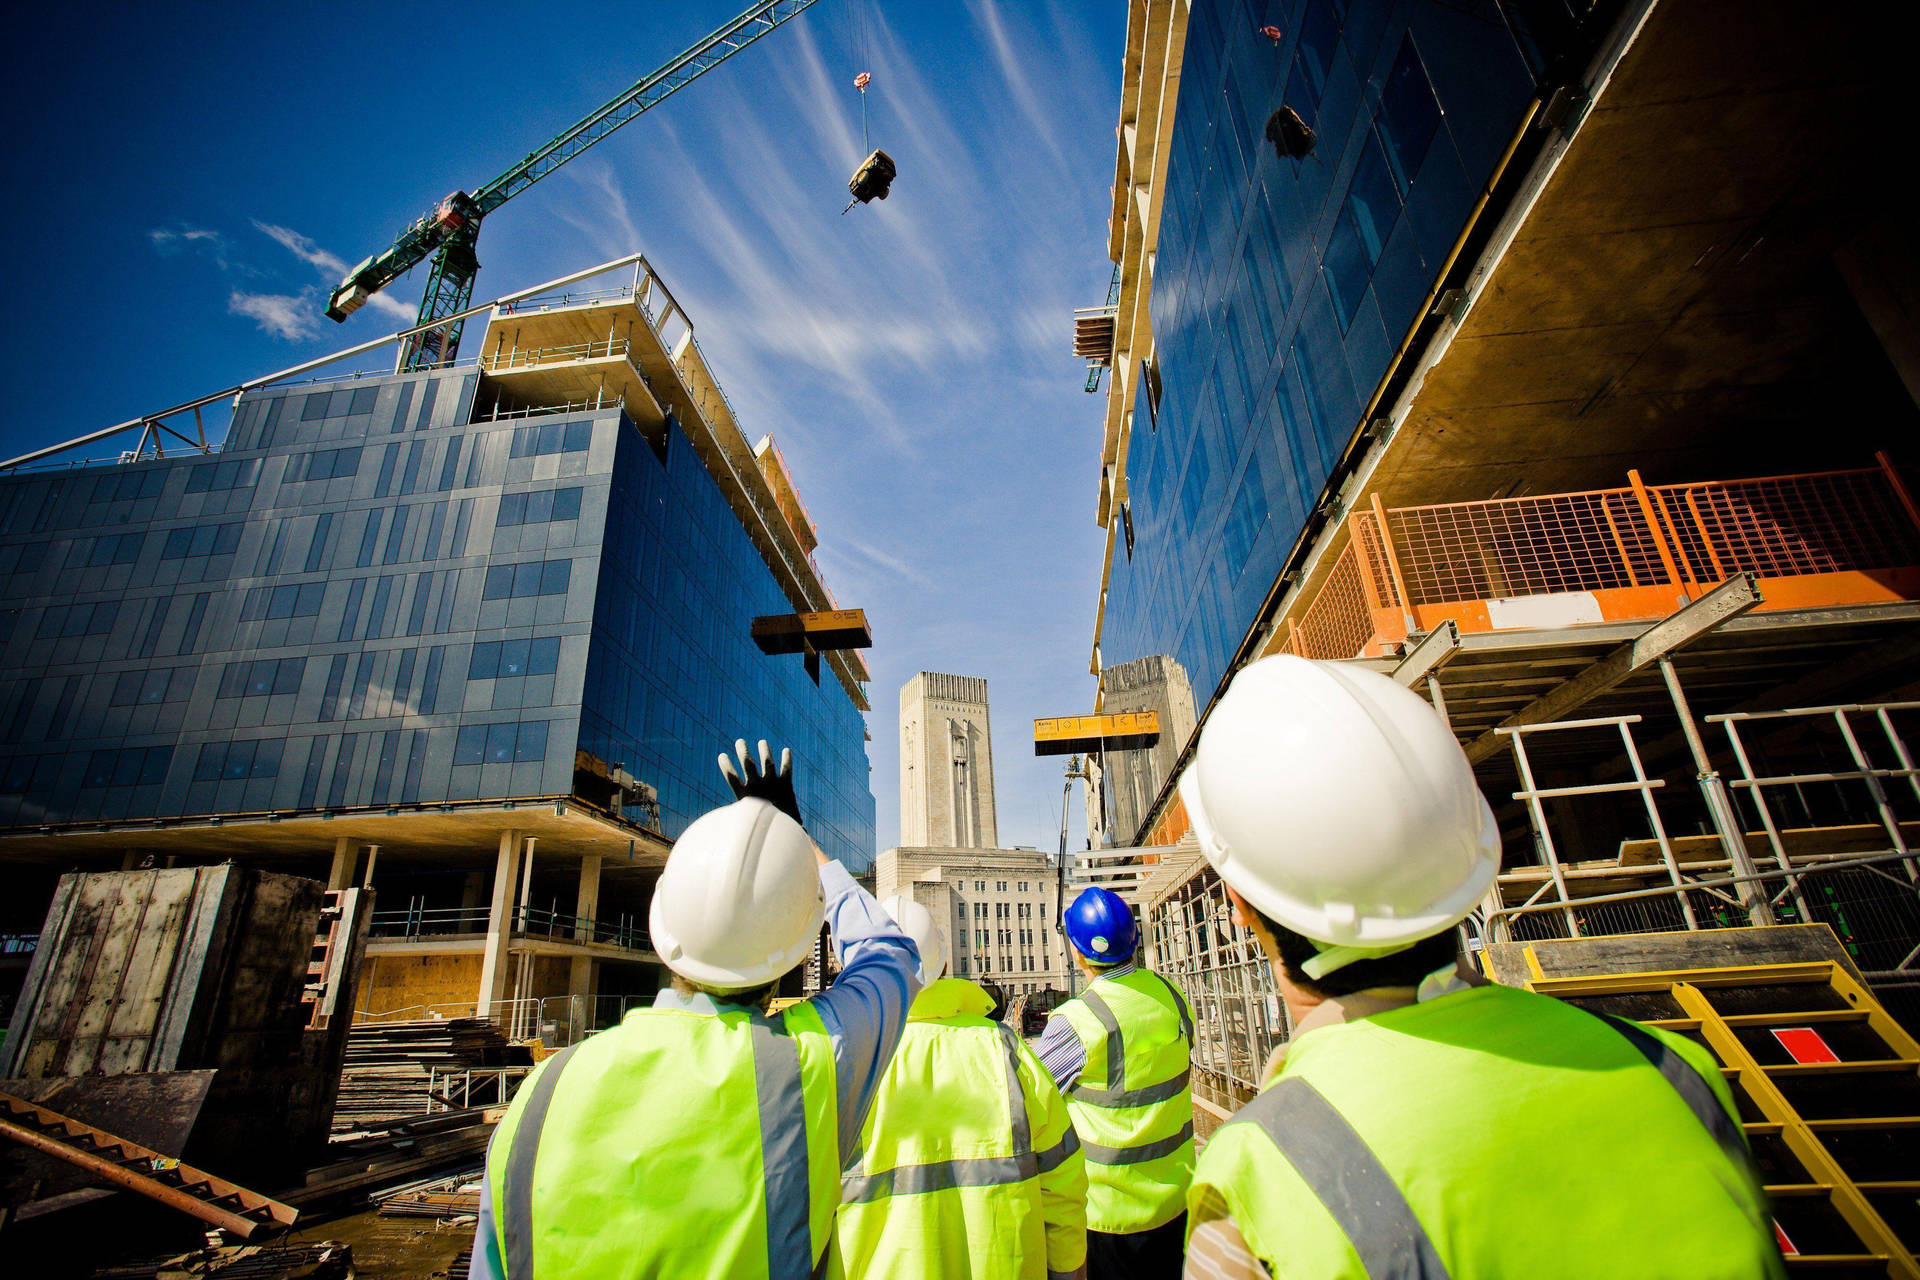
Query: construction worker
x: 702, y: 1137
x: 968, y: 1167
x: 1422, y: 1122
x: 1120, y: 1052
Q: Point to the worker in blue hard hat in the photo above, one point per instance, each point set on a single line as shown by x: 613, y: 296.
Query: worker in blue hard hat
x: 1120, y: 1052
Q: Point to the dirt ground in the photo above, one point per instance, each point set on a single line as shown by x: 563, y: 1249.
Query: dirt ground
x: 395, y: 1248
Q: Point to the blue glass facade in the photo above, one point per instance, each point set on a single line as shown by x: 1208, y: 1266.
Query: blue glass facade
x: 1282, y: 287
x: 368, y: 598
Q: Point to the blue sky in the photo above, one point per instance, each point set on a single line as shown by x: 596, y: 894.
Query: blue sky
x: 189, y: 181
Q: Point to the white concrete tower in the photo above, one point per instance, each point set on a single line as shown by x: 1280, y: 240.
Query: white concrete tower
x: 946, y: 763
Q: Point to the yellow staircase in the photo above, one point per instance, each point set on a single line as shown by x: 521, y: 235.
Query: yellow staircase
x: 1828, y: 1086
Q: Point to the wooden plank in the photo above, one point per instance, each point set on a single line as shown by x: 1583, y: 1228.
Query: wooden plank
x: 1660, y: 952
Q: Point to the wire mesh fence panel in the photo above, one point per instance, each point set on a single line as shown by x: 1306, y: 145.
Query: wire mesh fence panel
x: 1339, y: 623
x: 1588, y: 541
x: 1236, y: 1008
x: 1787, y: 526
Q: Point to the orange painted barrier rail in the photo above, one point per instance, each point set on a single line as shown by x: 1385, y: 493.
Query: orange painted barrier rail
x: 1815, y: 540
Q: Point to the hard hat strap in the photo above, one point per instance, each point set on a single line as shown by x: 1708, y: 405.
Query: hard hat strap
x: 1331, y: 958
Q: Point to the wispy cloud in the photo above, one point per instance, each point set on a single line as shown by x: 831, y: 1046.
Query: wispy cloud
x: 168, y: 239
x: 331, y: 267
x: 1014, y: 68
x: 183, y: 238
x: 601, y: 214
x: 292, y: 317
x: 303, y: 248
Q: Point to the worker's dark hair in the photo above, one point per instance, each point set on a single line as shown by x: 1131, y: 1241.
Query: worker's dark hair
x: 1401, y: 969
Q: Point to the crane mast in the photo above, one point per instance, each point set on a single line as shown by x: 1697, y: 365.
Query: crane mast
x: 450, y: 232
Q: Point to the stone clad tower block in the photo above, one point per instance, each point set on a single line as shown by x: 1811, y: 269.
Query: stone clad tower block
x: 946, y: 763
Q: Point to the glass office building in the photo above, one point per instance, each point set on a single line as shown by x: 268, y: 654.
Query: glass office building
x: 1281, y: 286
x: 382, y: 592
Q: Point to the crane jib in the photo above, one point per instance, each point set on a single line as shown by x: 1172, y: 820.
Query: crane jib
x: 452, y: 247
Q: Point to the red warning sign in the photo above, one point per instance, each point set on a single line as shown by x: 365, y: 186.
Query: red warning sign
x: 1804, y: 1044
x: 1786, y: 1243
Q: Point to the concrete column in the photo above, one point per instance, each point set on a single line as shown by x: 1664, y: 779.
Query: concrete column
x: 345, y: 854
x: 493, y: 962
x: 587, y: 907
x: 580, y: 984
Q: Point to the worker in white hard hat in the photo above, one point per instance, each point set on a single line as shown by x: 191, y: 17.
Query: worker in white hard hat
x: 968, y: 1167
x: 704, y: 1136
x: 1421, y: 1121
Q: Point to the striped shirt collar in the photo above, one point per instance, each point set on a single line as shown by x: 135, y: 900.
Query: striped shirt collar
x: 1120, y: 970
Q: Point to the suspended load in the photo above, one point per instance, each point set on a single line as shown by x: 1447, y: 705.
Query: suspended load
x: 872, y: 179
x: 1291, y: 136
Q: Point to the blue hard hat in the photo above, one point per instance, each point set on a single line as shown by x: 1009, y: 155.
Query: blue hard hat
x: 1100, y: 926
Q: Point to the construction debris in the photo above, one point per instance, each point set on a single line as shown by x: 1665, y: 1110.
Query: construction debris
x: 328, y: 1260
x: 221, y: 1204
x: 441, y: 1198
x: 394, y: 1070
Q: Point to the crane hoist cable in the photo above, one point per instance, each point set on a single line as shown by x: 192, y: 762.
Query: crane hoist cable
x: 448, y: 233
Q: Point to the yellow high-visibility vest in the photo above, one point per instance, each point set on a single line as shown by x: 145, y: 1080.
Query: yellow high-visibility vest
x: 1492, y: 1132
x: 969, y: 1166
x: 676, y: 1144
x: 1132, y: 1105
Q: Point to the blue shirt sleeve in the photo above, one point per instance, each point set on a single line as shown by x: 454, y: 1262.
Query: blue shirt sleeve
x: 865, y: 1009
x: 1061, y: 1053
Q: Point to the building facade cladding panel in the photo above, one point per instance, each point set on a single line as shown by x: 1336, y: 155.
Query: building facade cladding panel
x: 674, y: 675
x: 1281, y: 289
x: 368, y: 598
x: 946, y: 763
x: 997, y: 908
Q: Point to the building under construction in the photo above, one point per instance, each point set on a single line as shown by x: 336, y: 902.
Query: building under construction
x: 1558, y: 361
x: 471, y: 636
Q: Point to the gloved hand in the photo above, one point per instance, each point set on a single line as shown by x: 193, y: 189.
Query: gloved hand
x: 760, y: 779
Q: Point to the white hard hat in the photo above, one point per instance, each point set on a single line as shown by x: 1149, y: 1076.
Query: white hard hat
x: 739, y: 903
x: 918, y: 923
x: 1339, y: 804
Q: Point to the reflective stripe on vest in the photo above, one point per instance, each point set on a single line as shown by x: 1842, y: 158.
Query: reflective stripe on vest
x: 1097, y: 1154
x: 1116, y: 1094
x: 1338, y: 1167
x: 984, y: 1171
x: 1343, y: 1172
x: 783, y: 1147
x: 518, y: 1190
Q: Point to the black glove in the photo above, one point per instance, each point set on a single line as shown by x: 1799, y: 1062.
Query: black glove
x: 760, y: 780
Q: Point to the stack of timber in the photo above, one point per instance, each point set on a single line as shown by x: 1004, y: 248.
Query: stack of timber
x: 400, y: 1154
x: 441, y: 1198
x: 389, y: 1064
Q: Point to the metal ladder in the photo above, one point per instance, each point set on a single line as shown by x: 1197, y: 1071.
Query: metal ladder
x: 239, y: 1212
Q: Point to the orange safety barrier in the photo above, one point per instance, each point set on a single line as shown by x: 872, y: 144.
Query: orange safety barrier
x: 1610, y: 555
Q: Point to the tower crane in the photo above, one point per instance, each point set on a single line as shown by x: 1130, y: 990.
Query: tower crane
x: 450, y: 231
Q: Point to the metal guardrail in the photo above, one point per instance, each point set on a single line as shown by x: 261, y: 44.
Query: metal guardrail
x: 532, y: 357
x: 1399, y: 561
x: 559, y: 926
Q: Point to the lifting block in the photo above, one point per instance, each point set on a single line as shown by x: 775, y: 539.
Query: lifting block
x: 815, y: 632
